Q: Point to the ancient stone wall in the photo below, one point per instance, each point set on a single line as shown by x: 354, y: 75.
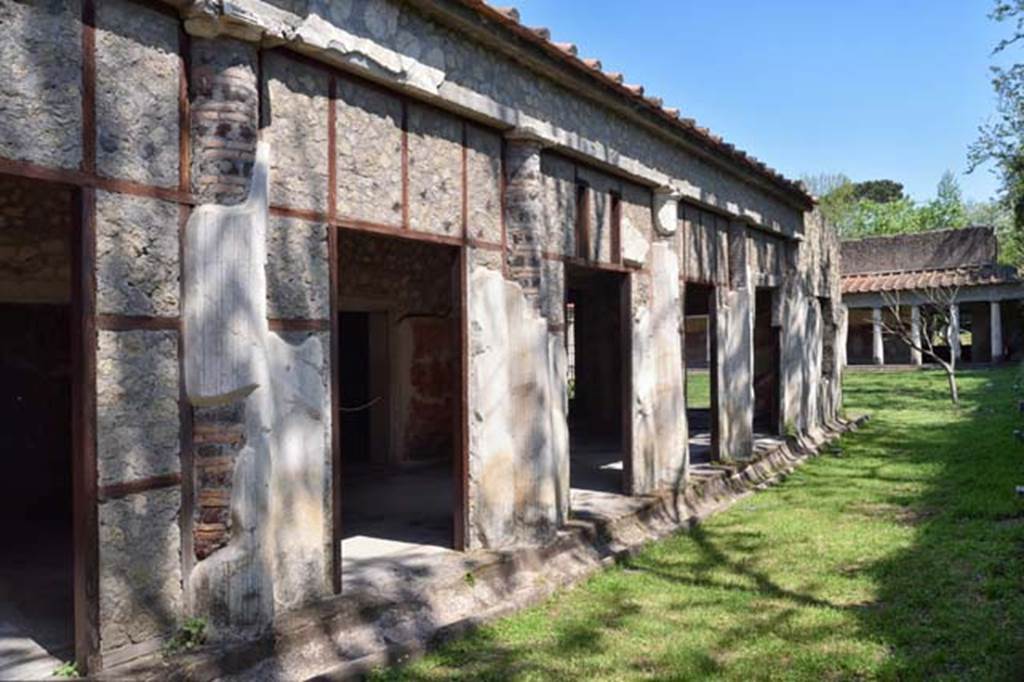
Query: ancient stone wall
x: 41, y: 72
x: 397, y: 41
x: 137, y: 72
x: 295, y: 101
x: 35, y: 242
x: 369, y: 142
x: 928, y: 251
x: 259, y: 534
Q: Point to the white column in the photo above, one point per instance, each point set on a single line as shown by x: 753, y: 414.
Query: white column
x: 954, y: 331
x: 996, y: 320
x: 915, y: 334
x: 877, y: 347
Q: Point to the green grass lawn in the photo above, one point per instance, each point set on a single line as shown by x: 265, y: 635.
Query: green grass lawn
x: 900, y: 557
x: 698, y: 388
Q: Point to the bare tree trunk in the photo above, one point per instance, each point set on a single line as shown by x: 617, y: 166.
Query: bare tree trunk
x: 954, y: 393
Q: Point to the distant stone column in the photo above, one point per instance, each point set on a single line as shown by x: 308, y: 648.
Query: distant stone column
x: 877, y: 347
x: 915, y: 335
x: 954, y: 331
x: 996, y: 322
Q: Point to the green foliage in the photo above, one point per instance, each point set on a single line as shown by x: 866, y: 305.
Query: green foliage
x: 67, y: 669
x: 899, y: 560
x: 879, y: 208
x: 880, y: 191
x: 191, y: 635
x: 1001, y: 140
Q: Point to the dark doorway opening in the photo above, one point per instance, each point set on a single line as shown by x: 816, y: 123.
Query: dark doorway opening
x: 36, y: 369
x: 399, y: 388
x: 767, y: 360
x: 599, y: 376
x: 701, y: 381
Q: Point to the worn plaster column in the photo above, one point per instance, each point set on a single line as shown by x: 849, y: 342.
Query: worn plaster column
x: 915, y: 335
x: 538, y: 366
x: 996, y: 322
x: 954, y: 331
x: 735, y: 351
x: 877, y: 347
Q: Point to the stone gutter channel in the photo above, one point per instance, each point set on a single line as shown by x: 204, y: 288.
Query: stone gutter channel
x: 393, y: 612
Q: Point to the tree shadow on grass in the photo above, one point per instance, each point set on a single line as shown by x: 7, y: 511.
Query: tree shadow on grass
x: 941, y: 596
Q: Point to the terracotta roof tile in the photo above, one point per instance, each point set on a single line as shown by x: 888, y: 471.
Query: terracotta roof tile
x: 924, y: 279
x: 542, y: 37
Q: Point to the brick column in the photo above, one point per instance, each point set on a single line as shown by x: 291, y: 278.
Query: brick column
x: 524, y: 211
x: 225, y: 118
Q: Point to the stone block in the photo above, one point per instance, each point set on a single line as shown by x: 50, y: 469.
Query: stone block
x: 41, y: 82
x: 369, y: 143
x: 137, y: 420
x: 297, y: 132
x: 141, y: 596
x: 435, y: 171
x: 298, y: 280
x: 137, y: 84
x: 137, y: 264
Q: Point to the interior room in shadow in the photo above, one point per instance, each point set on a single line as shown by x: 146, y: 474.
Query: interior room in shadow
x: 399, y: 381
x: 36, y: 562
x: 597, y: 379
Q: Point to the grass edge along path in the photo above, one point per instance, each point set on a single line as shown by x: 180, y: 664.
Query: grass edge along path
x: 897, y: 555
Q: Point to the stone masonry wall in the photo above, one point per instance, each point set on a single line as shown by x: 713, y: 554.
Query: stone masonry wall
x: 137, y: 268
x: 435, y: 171
x: 484, y: 163
x: 41, y: 82
x: 35, y: 242
x: 369, y: 140
x: 404, y: 44
x: 137, y: 73
x: 295, y: 110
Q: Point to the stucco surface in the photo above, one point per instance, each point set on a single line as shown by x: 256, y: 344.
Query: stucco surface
x: 137, y: 420
x: 137, y: 82
x: 137, y: 262
x: 40, y: 82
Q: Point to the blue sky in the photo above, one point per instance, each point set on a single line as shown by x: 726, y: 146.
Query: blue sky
x: 871, y: 88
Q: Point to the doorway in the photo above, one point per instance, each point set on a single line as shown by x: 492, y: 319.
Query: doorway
x: 596, y: 303
x: 767, y: 360
x: 701, y: 350
x: 399, y: 388
x: 37, y: 230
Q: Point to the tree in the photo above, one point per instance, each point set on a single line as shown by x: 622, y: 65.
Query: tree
x: 947, y: 210
x: 1001, y: 141
x: 880, y: 191
x: 935, y: 321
